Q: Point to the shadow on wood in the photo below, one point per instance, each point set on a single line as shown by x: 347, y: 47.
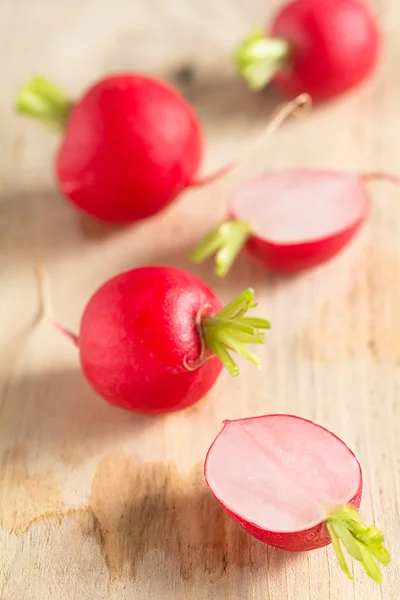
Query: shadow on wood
x: 58, y: 412
x: 137, y: 512
x: 247, y: 271
x: 221, y: 98
x: 35, y: 222
x: 151, y: 510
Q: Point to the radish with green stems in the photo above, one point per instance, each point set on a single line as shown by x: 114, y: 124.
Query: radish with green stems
x: 322, y: 47
x: 291, y: 220
x: 130, y: 144
x: 294, y: 485
x: 154, y: 339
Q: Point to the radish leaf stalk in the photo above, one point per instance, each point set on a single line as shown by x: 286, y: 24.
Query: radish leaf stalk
x: 44, y: 102
x: 225, y: 242
x: 230, y: 330
x: 364, y: 543
x: 260, y: 57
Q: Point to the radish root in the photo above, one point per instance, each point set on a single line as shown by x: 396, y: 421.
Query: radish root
x: 46, y: 311
x: 15, y: 345
x: 298, y: 106
x: 379, y: 176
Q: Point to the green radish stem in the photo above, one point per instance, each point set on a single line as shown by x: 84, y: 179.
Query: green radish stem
x: 260, y: 57
x: 226, y: 242
x: 364, y: 543
x: 46, y: 103
x: 229, y: 331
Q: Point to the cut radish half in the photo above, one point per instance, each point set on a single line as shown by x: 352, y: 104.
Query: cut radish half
x: 290, y: 220
x: 293, y: 484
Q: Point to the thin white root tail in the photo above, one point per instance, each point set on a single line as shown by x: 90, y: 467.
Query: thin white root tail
x: 45, y: 309
x: 300, y: 105
x: 68, y: 333
x: 380, y: 176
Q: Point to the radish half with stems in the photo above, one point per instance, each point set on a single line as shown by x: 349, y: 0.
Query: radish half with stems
x: 291, y: 220
x: 129, y: 145
x: 322, y: 47
x: 294, y: 485
x: 154, y: 339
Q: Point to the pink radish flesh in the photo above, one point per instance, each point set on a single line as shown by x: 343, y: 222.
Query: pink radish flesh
x: 280, y: 475
x: 301, y: 218
x: 301, y: 206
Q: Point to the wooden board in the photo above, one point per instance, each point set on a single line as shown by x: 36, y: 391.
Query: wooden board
x: 96, y: 503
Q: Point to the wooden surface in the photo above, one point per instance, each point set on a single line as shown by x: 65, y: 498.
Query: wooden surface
x: 96, y: 503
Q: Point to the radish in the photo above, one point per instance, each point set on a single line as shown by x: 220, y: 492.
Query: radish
x: 294, y: 485
x: 154, y: 339
x: 322, y: 47
x: 130, y: 144
x: 291, y: 220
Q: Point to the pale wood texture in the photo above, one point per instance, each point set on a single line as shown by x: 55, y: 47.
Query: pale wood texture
x: 96, y: 503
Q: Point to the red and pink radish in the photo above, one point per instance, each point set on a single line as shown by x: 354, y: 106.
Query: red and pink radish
x: 294, y: 485
x: 154, y: 339
x: 291, y: 220
x: 321, y: 47
x: 129, y: 145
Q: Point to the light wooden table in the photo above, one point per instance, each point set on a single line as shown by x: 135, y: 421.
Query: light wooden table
x: 96, y: 503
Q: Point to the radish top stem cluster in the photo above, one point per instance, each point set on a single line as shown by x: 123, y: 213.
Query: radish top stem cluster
x: 226, y: 242
x: 260, y: 57
x: 230, y: 330
x: 45, y: 102
x: 364, y: 543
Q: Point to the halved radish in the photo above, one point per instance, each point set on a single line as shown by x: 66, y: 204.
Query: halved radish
x: 294, y: 485
x: 291, y: 220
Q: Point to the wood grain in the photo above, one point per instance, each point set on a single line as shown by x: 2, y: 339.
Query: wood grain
x: 96, y: 503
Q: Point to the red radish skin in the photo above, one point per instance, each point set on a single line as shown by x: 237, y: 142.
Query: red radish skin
x: 291, y: 220
x: 283, y: 479
x: 129, y: 145
x: 328, y: 233
x: 321, y: 47
x: 150, y: 338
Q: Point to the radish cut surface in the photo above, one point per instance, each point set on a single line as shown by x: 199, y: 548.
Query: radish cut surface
x: 296, y: 207
x: 281, y: 473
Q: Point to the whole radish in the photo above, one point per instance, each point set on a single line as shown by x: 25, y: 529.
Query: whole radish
x: 154, y: 339
x: 293, y: 484
x: 291, y: 220
x: 322, y: 47
x: 130, y: 144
